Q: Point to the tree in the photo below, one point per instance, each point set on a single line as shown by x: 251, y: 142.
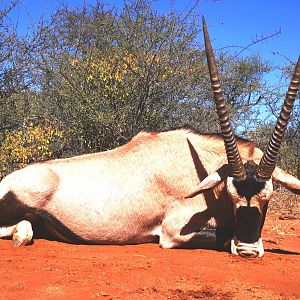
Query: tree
x: 289, y: 156
x: 104, y: 88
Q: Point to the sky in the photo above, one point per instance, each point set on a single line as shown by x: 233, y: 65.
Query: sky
x: 230, y: 22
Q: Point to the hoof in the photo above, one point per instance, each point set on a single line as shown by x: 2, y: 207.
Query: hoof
x: 17, y: 242
x: 23, y: 234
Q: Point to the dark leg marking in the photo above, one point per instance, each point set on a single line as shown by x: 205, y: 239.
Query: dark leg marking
x: 61, y: 228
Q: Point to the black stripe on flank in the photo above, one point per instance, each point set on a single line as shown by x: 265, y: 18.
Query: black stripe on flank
x: 12, y: 211
x: 61, y: 228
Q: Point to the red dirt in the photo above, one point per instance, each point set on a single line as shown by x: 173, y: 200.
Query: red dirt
x: 53, y: 270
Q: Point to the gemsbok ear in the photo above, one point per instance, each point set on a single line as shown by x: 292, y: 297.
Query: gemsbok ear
x: 212, y: 180
x: 207, y: 183
x: 288, y: 181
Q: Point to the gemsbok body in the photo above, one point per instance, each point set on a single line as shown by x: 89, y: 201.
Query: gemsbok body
x: 160, y: 187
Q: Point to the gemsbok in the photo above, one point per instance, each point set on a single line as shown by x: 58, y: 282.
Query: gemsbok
x: 160, y: 187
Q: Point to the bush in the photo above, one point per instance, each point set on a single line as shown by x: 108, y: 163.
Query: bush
x: 30, y: 144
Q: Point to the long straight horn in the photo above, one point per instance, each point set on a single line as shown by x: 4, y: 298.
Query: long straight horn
x: 232, y: 152
x: 268, y: 161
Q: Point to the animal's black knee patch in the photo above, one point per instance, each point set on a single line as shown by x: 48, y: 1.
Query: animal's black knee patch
x: 223, y: 234
x: 248, y: 221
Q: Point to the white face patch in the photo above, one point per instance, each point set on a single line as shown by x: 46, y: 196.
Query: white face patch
x: 258, y: 200
x: 247, y: 250
x: 247, y: 242
x: 235, y: 197
x: 263, y: 197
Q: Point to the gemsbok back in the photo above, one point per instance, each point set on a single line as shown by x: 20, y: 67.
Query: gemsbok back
x: 160, y: 187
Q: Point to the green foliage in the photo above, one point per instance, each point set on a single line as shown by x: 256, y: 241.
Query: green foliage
x: 104, y: 88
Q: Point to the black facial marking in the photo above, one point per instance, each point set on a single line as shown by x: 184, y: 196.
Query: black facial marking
x: 248, y: 221
x: 249, y: 186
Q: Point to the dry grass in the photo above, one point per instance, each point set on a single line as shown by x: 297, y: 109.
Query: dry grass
x: 285, y: 205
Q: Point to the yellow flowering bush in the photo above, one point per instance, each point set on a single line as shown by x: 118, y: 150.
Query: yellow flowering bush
x: 32, y: 144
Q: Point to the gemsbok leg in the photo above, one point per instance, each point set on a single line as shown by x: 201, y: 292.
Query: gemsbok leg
x: 21, y: 233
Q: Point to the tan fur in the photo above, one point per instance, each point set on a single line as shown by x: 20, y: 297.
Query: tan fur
x: 132, y: 194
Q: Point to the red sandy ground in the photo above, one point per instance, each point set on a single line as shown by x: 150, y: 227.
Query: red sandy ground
x: 53, y: 270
